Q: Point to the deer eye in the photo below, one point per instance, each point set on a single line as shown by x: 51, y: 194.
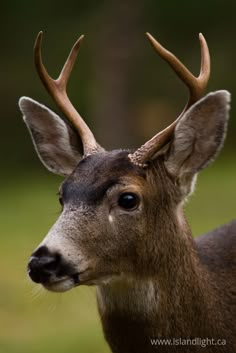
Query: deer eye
x: 128, y: 201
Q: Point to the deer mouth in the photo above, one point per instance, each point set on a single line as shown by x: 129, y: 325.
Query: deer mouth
x: 63, y: 284
x: 81, y: 278
x: 66, y: 283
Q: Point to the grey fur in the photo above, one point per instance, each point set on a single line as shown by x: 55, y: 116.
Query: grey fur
x: 54, y: 140
x: 198, y: 137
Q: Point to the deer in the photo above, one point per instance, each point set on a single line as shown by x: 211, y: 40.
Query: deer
x: 122, y: 226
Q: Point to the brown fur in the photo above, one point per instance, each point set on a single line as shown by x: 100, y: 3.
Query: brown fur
x: 187, y: 293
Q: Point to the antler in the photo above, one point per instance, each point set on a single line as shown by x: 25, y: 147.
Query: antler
x: 196, y: 86
x: 57, y: 90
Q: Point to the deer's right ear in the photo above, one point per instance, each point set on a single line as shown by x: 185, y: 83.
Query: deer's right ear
x: 198, y: 138
x: 56, y: 143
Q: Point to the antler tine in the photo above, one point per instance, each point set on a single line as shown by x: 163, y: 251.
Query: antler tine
x: 205, y: 62
x: 57, y: 90
x: 196, y: 85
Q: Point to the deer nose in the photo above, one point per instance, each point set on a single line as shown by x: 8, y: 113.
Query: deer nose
x: 43, y: 265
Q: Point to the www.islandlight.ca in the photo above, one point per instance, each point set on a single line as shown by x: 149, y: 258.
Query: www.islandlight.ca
x: 197, y: 341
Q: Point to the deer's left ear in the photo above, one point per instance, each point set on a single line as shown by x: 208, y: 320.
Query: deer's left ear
x: 198, y: 138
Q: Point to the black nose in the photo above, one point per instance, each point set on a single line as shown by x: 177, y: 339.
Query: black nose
x: 43, y: 265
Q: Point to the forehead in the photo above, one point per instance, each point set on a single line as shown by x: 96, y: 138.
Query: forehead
x: 95, y: 174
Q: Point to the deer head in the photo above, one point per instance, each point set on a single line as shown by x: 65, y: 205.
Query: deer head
x: 120, y: 209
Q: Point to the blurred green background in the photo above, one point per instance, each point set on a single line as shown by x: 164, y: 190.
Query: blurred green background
x: 126, y: 94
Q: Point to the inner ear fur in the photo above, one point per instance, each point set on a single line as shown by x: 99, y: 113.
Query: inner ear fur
x: 198, y: 137
x: 57, y: 144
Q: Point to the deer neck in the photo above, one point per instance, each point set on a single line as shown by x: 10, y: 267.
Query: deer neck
x: 177, y: 301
